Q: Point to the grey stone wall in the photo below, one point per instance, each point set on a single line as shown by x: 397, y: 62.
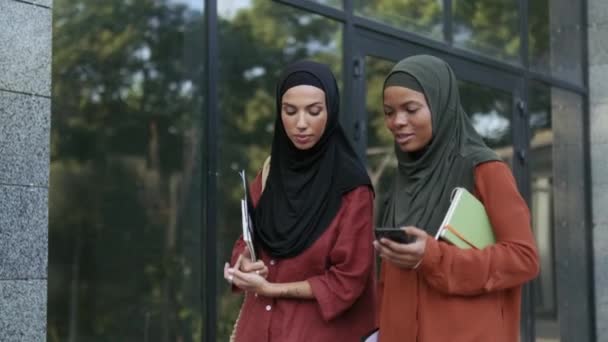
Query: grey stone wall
x: 25, y: 111
x: 598, y: 88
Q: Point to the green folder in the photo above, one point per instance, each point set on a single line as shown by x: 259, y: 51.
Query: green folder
x: 466, y: 224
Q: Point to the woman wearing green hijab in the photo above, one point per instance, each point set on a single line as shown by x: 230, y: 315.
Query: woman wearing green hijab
x: 431, y: 290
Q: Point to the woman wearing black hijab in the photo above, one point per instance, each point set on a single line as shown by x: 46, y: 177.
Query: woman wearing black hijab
x: 313, y: 224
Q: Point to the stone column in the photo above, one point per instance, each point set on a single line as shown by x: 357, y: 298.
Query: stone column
x: 25, y: 112
x: 598, y: 103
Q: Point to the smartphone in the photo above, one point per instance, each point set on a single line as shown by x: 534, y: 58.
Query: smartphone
x: 394, y: 234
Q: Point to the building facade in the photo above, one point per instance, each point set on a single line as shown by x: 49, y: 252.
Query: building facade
x: 157, y: 104
x: 25, y: 117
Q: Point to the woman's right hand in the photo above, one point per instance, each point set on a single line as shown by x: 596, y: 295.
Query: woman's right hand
x: 244, y: 264
x: 407, y: 256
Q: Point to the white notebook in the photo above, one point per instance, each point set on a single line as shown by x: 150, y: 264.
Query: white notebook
x: 246, y: 217
x: 372, y: 338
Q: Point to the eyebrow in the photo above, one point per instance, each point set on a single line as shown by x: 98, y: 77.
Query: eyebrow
x: 310, y: 105
x: 407, y: 103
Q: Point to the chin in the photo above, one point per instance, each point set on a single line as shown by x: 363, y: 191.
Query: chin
x: 405, y: 148
x: 409, y: 148
x: 303, y: 147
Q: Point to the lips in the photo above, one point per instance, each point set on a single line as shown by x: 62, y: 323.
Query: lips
x: 403, y: 138
x: 302, y: 139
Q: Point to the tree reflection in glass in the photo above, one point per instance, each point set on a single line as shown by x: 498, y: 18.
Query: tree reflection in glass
x: 488, y: 26
x: 125, y: 193
x: 423, y: 17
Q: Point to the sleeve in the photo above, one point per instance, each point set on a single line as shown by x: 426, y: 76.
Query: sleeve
x: 256, y: 189
x: 510, y: 262
x: 351, y: 258
x: 380, y: 292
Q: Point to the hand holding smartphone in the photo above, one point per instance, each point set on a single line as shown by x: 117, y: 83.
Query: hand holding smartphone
x: 394, y: 234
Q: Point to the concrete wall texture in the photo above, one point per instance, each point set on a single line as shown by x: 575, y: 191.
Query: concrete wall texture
x: 25, y: 113
x: 598, y: 120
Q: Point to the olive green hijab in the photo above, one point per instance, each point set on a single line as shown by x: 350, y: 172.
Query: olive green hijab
x: 425, y: 180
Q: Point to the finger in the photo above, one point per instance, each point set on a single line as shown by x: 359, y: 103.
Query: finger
x: 237, y: 264
x: 238, y: 282
x: 393, y: 259
x: 264, y: 272
x: 226, y: 266
x: 252, y: 267
x: 380, y: 248
x: 234, y: 278
x: 259, y: 264
x: 403, y: 248
x: 246, y: 253
x: 414, y: 231
x: 387, y: 253
x: 238, y: 274
x: 245, y: 261
x: 399, y: 262
x: 246, y: 267
x: 377, y: 245
x: 419, y: 245
x: 397, y: 257
x: 227, y: 275
x: 242, y: 278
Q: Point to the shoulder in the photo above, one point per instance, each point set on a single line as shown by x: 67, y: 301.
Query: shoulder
x: 360, y: 193
x: 265, y: 171
x: 495, y: 184
x: 492, y: 172
x: 259, y: 183
x: 360, y: 190
x: 256, y: 188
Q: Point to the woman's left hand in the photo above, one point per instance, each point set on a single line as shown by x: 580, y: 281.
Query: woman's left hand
x: 407, y: 256
x: 246, y: 281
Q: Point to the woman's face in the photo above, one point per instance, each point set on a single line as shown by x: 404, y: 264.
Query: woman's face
x: 304, y: 115
x: 408, y: 116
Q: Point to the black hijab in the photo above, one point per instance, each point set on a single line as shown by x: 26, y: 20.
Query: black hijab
x: 304, y: 188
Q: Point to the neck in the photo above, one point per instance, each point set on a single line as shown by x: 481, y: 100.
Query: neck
x: 417, y: 154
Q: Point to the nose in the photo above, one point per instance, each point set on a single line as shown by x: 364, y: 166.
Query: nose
x: 301, y: 123
x: 401, y: 119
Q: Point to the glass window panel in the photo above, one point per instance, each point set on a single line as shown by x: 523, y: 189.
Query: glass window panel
x: 423, y: 17
x: 490, y: 111
x: 555, y: 38
x: 332, y: 3
x: 541, y: 206
x: 204, y: 278
x: 381, y: 161
x: 125, y: 192
x: 272, y: 35
x: 490, y: 27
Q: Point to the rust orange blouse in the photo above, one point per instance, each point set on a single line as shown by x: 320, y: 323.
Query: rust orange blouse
x: 461, y: 295
x: 340, y: 269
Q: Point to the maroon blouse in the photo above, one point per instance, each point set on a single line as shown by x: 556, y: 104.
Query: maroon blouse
x: 341, y: 271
